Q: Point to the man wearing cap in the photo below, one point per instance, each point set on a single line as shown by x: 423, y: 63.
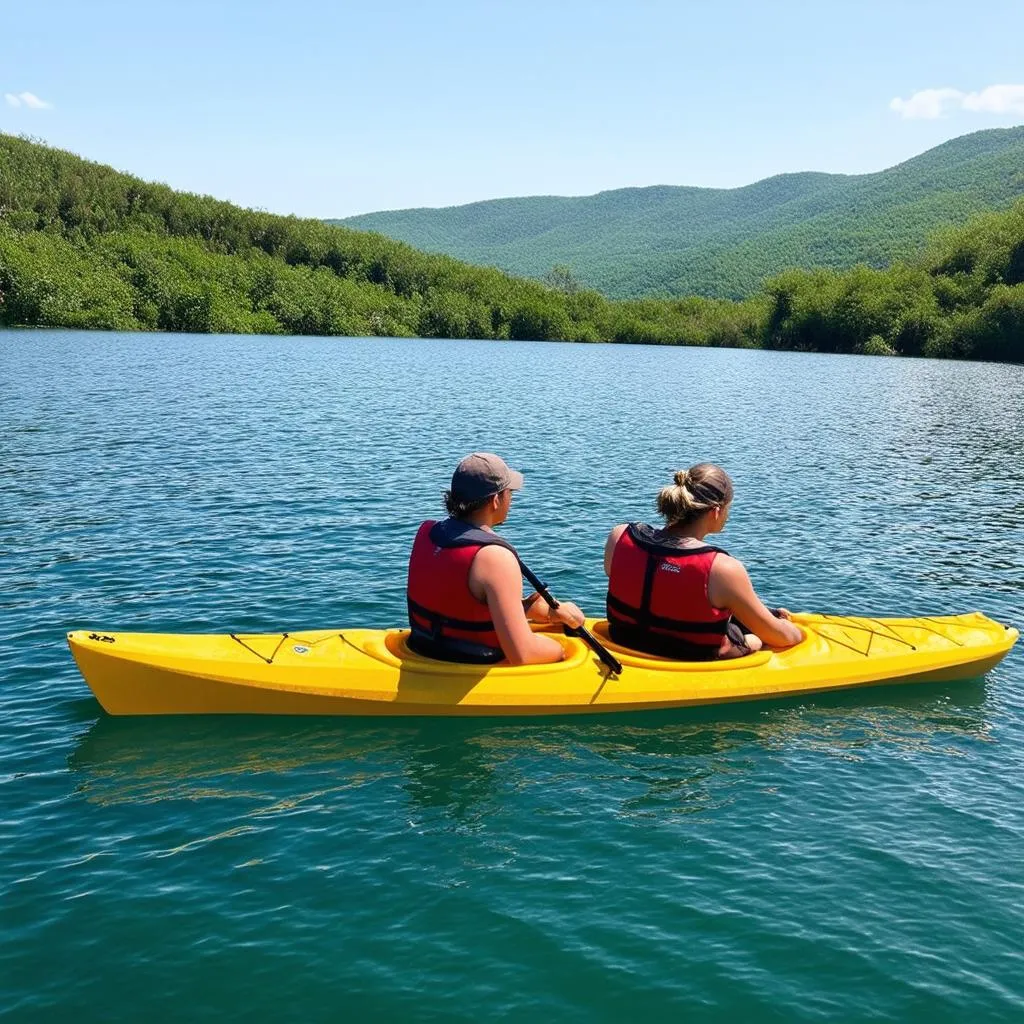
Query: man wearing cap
x: 465, y: 587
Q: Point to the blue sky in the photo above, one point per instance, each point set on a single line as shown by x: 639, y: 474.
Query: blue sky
x: 334, y: 108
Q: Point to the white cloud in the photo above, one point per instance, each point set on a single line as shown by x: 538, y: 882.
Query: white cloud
x: 997, y: 99
x: 928, y: 103
x: 26, y: 99
x: 932, y: 103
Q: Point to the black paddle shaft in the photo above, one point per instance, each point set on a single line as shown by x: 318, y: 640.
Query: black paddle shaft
x: 606, y: 656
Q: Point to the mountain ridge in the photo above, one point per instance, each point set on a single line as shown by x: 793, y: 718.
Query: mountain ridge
x: 668, y: 240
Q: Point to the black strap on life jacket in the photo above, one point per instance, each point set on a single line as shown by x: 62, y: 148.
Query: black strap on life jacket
x: 457, y: 533
x: 646, y: 619
x: 660, y: 543
x: 439, y: 621
x: 658, y: 548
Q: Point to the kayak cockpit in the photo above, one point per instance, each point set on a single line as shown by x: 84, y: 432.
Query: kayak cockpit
x: 392, y: 648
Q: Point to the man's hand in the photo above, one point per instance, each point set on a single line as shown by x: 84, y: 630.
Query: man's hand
x: 568, y: 614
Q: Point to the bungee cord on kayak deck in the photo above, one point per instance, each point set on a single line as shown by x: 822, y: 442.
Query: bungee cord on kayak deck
x: 930, y: 618
x: 844, y: 621
x: 280, y: 643
x: 874, y: 628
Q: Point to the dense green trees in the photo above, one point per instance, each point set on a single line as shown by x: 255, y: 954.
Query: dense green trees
x: 723, y: 243
x: 964, y: 299
x: 83, y: 246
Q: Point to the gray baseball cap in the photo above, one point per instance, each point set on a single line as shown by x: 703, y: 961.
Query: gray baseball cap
x: 483, y: 474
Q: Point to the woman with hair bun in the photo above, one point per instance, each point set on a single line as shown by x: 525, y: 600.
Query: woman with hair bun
x: 671, y: 594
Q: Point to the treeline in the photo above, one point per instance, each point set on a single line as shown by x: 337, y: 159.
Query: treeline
x: 84, y: 246
x: 963, y: 299
x: 723, y: 243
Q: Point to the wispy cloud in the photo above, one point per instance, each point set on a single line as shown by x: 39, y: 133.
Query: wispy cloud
x: 932, y: 103
x: 928, y: 103
x: 26, y: 99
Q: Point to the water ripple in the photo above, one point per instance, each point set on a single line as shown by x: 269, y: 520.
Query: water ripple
x: 854, y: 857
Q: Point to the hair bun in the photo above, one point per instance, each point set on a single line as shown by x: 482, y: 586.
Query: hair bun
x: 693, y: 492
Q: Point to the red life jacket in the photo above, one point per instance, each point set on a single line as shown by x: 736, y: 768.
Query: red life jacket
x: 446, y: 621
x: 658, y: 596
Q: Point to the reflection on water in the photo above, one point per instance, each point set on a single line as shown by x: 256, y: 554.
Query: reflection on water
x: 459, y: 765
x: 715, y: 860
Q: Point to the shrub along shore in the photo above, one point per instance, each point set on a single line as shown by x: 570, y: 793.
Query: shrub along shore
x: 84, y: 246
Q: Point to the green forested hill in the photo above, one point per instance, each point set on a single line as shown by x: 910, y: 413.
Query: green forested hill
x: 669, y: 240
x: 82, y: 245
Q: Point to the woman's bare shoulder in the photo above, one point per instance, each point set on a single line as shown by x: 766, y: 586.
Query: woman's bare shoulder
x: 728, y: 570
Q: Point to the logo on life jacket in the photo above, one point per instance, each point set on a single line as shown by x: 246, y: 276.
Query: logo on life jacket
x: 668, y: 567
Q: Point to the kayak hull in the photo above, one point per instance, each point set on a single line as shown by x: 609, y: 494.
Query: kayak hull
x: 373, y: 673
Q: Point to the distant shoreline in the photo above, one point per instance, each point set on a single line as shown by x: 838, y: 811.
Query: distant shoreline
x: 83, y: 246
x: 472, y: 341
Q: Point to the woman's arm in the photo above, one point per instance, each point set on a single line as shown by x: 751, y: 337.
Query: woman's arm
x: 729, y: 587
x: 609, y: 546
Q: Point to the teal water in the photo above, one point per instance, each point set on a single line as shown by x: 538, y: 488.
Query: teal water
x: 850, y: 857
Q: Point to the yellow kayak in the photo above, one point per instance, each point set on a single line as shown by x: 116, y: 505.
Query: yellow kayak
x: 372, y: 671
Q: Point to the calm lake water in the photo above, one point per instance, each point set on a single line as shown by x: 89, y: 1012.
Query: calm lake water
x: 853, y: 857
